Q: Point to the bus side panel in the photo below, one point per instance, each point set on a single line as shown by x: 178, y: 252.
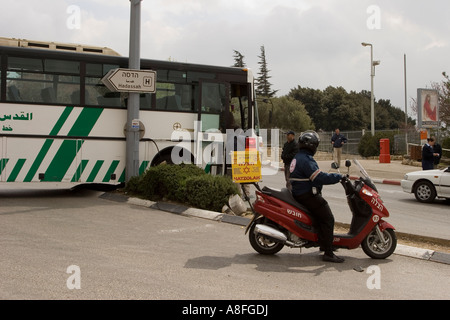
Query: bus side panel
x: 100, y: 162
x: 62, y: 160
x: 20, y: 158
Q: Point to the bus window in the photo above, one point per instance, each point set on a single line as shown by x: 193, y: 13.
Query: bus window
x: 25, y: 64
x: 175, y: 97
x: 96, y: 93
x: 239, y: 106
x: 42, y: 81
x: 41, y: 87
x: 171, y: 76
x: 61, y: 66
x: 145, y: 101
x: 99, y: 69
x: 214, y: 106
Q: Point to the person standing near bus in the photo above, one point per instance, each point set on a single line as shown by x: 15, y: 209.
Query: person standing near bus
x: 290, y: 149
x: 337, y: 140
x: 428, y: 155
x: 437, y: 149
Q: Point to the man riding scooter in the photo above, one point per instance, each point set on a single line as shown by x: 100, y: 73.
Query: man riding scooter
x: 307, y: 181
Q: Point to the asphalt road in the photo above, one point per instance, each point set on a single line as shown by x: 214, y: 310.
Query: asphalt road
x: 55, y: 241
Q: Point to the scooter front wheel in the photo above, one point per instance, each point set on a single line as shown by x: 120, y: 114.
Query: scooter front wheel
x: 378, y: 248
x: 262, y: 244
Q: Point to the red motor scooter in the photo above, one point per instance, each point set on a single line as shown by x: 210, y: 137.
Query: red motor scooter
x: 280, y: 220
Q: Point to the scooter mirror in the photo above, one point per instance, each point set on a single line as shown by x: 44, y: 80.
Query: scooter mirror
x: 334, y: 165
x: 348, y: 163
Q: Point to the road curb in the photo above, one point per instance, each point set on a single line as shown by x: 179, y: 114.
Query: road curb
x: 382, y: 181
x: 403, y: 250
x: 375, y: 180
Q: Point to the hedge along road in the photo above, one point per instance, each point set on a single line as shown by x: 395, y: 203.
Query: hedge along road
x: 185, y: 184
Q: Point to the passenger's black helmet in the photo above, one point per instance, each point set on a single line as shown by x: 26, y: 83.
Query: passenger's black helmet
x: 309, y: 140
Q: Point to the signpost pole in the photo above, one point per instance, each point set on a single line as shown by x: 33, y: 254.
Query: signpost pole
x: 132, y: 130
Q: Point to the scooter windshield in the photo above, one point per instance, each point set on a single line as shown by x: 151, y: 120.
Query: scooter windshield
x: 365, y: 175
x: 361, y: 169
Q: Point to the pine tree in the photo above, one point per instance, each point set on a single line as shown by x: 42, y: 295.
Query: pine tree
x: 238, y: 59
x: 263, y: 86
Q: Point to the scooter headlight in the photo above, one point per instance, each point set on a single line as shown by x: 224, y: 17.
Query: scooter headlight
x: 367, y: 192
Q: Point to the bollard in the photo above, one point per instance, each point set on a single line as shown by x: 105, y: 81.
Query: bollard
x: 385, y: 157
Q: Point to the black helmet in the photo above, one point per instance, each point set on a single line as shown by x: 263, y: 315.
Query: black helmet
x: 309, y: 140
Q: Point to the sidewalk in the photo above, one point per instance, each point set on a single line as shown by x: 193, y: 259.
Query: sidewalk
x: 389, y: 173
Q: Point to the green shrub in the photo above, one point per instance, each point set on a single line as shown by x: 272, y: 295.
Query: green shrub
x: 446, y: 145
x: 209, y: 192
x: 133, y: 185
x: 167, y: 181
x: 185, y: 183
x: 369, y: 146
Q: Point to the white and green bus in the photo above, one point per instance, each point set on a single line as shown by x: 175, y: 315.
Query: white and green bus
x: 59, y: 123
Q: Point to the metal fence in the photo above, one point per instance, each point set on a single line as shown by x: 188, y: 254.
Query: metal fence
x: 401, y: 140
x: 405, y: 143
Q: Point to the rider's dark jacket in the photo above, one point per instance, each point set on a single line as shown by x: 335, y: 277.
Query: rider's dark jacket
x: 305, y: 168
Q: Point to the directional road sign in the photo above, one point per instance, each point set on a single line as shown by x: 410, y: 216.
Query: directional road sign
x: 130, y: 80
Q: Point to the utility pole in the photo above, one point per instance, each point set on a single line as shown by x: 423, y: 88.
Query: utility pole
x: 406, y: 107
x: 132, y: 127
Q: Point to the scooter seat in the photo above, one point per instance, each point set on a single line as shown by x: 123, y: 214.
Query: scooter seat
x: 286, y: 196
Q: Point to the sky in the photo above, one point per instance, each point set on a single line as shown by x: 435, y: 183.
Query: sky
x: 308, y: 43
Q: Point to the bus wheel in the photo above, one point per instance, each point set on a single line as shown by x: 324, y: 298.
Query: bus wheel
x: 162, y: 159
x: 175, y: 155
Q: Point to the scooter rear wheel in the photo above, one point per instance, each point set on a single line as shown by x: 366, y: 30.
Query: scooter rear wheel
x: 262, y: 244
x: 375, y: 248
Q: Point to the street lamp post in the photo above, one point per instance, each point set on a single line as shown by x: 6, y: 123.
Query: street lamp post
x: 372, y: 75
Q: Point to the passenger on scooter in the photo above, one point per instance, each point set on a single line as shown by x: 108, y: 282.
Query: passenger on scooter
x: 307, y: 182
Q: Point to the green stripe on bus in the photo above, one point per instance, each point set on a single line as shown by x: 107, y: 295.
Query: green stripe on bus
x: 3, y: 163
x: 76, y: 177
x: 60, y: 163
x: 47, y: 144
x: 142, y: 169
x: 15, y: 172
x: 62, y: 119
x: 37, y: 162
x: 110, y: 171
x: 122, y: 176
x: 143, y: 166
x: 69, y: 148
x: 85, y: 122
x: 95, y: 171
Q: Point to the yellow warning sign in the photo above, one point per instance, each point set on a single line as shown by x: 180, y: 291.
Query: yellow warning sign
x: 246, y: 166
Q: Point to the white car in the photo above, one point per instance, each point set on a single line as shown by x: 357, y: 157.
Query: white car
x: 428, y: 184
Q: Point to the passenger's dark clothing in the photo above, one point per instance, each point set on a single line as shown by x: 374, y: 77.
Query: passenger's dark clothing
x: 338, y: 140
x: 290, y: 149
x: 437, y: 149
x: 307, y: 191
x: 306, y: 168
x: 427, y: 157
